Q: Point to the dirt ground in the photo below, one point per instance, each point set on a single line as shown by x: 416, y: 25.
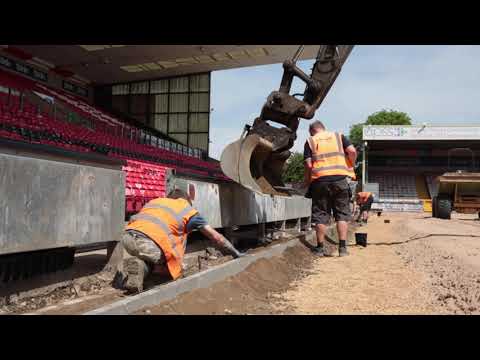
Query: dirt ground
x: 412, y: 265
x: 372, y: 280
x: 80, y: 295
x: 92, y: 288
x: 85, y: 281
x: 250, y: 292
x: 448, y: 253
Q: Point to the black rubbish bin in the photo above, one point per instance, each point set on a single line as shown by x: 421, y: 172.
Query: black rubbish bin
x: 361, y: 239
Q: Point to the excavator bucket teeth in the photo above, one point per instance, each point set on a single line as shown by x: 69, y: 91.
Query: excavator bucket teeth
x: 250, y: 162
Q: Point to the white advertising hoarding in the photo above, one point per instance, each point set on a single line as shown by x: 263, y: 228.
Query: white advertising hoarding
x: 421, y: 133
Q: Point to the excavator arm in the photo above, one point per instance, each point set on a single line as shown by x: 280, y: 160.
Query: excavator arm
x: 257, y: 159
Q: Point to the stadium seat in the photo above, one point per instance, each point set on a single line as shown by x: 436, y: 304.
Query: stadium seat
x: 146, y: 165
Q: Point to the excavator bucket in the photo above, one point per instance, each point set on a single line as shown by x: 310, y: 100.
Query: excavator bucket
x: 257, y: 160
x: 251, y: 163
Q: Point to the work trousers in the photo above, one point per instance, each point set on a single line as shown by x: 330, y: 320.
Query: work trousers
x: 142, y: 247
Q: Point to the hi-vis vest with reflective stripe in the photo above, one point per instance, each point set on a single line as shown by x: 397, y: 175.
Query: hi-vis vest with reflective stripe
x: 165, y: 222
x: 328, y: 156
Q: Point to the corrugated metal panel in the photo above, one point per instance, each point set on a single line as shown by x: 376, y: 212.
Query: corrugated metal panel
x: 49, y: 204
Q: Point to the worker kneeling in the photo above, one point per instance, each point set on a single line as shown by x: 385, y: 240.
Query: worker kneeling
x: 364, y: 200
x: 157, y: 237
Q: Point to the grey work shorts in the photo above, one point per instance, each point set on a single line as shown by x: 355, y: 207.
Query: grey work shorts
x: 330, y: 198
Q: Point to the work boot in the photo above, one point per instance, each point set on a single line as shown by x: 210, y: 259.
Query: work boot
x: 264, y: 241
x: 320, y: 251
x: 342, y: 248
x: 136, y: 271
x: 342, y: 251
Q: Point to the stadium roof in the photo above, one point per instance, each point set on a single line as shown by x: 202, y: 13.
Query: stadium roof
x: 105, y: 64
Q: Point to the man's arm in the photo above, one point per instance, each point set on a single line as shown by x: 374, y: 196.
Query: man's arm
x: 220, y: 240
x: 308, y: 172
x: 349, y: 149
x: 351, y: 154
x: 307, y: 156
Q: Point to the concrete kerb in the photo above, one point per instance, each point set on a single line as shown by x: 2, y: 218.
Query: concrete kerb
x: 200, y: 280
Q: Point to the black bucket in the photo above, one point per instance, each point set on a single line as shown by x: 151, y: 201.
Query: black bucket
x: 361, y: 239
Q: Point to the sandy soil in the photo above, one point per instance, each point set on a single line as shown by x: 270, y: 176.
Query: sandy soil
x: 372, y: 280
x: 93, y: 291
x: 448, y: 253
x: 81, y: 305
x: 250, y: 292
x: 78, y: 296
x: 412, y: 265
x: 85, y: 280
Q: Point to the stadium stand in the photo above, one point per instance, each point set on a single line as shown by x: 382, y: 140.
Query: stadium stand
x: 397, y: 192
x: 395, y: 186
x: 423, y: 193
x: 27, y: 115
x: 421, y: 187
x: 401, y: 192
x: 432, y: 185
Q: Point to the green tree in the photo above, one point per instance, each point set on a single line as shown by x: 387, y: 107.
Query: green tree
x: 356, y: 134
x: 383, y: 117
x: 294, y: 169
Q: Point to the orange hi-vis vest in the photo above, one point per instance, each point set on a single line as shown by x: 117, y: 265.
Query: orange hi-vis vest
x: 328, y: 156
x: 351, y: 169
x: 165, y: 222
x: 363, y: 196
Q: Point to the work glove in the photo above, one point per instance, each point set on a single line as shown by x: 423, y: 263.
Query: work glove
x: 238, y: 254
x: 231, y: 249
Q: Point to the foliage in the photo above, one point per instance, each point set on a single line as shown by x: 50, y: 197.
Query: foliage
x: 383, y: 117
x: 294, y: 169
x: 356, y: 134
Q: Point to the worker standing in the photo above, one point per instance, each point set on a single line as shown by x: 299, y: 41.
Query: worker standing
x: 326, y: 173
x: 157, y: 237
x: 365, y: 200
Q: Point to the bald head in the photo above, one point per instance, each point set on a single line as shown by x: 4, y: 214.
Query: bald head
x: 316, y: 127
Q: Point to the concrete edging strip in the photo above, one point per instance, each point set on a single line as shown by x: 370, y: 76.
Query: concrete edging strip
x: 200, y: 280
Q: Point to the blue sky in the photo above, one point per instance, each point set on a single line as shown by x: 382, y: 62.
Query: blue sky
x: 433, y: 84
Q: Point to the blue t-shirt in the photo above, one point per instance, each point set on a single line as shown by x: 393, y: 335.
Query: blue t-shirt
x: 196, y: 222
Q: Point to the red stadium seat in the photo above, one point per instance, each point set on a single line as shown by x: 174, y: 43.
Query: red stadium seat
x: 145, y: 179
x: 129, y: 205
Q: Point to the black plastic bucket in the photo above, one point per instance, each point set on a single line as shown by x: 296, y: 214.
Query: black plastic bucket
x: 361, y: 239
